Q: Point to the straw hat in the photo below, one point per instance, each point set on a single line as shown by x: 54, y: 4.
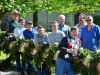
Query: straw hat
x: 15, y: 12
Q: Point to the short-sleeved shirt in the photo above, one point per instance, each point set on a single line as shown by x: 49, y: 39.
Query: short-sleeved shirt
x: 29, y: 34
x: 65, y: 29
x: 40, y: 40
x: 90, y: 38
x: 55, y: 37
x: 80, y: 28
x: 11, y: 26
x: 19, y: 32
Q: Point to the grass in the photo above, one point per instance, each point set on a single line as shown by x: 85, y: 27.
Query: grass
x: 3, y: 56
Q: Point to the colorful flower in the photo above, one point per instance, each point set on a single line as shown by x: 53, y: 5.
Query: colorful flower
x: 69, y: 45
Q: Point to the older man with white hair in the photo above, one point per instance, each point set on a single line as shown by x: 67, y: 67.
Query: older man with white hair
x: 62, y: 26
x: 90, y: 35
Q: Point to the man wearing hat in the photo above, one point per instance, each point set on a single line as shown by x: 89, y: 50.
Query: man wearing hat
x: 12, y: 24
x: 29, y: 34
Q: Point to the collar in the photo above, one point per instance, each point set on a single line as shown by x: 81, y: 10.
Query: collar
x: 61, y: 25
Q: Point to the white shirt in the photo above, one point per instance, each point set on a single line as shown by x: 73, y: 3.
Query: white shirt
x: 19, y: 32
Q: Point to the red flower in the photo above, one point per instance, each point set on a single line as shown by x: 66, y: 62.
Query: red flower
x: 47, y: 53
x: 88, y: 66
x: 13, y: 44
x: 76, y: 58
x: 37, y: 50
x: 69, y: 45
x: 25, y: 46
x: 3, y: 43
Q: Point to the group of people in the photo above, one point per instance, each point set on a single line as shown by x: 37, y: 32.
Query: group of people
x: 85, y: 34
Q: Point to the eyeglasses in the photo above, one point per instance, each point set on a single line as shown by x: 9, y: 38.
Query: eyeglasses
x: 88, y: 20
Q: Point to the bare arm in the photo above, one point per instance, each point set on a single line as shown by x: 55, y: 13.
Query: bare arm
x: 80, y: 43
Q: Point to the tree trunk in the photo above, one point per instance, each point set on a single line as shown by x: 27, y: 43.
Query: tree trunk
x: 35, y: 19
x: 1, y: 15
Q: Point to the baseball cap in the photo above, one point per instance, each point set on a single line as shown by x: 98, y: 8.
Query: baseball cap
x: 29, y: 22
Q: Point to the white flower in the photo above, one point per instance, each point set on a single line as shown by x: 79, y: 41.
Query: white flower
x: 56, y: 43
x: 10, y: 35
x: 45, y: 42
x: 81, y: 48
x: 97, y: 51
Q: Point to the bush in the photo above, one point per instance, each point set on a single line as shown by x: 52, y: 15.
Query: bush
x: 97, y: 19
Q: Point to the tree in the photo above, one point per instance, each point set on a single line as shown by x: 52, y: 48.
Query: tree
x: 61, y: 6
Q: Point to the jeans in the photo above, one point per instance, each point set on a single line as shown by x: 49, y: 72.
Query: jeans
x: 21, y: 65
x: 31, y: 68
x: 44, y: 70
x: 63, y: 67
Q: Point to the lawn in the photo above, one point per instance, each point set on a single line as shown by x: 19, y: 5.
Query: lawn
x: 3, y: 56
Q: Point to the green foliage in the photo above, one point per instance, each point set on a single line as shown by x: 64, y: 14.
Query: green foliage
x: 97, y: 19
x: 27, y: 56
x: 41, y: 55
x: 91, y: 67
x: 61, y: 6
x: 52, y: 50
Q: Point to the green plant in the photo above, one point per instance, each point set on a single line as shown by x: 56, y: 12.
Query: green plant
x: 97, y: 19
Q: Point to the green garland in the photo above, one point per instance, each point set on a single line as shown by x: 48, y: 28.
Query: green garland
x: 45, y: 53
x: 52, y: 50
x: 91, y: 67
x: 41, y: 55
x: 27, y: 56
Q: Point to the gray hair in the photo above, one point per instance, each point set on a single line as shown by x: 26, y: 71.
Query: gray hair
x: 89, y: 16
x: 61, y: 16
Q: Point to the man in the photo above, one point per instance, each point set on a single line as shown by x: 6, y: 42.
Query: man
x: 11, y: 25
x: 29, y: 34
x: 40, y: 37
x: 55, y: 36
x: 62, y: 26
x: 82, y: 23
x: 30, y: 31
x: 90, y: 35
x: 65, y: 57
x: 38, y: 40
x: 18, y: 33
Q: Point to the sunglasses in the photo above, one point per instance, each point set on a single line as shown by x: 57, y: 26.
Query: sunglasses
x: 88, y: 20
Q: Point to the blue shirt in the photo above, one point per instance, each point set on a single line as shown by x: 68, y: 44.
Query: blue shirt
x: 40, y: 40
x: 90, y: 38
x: 29, y: 34
x: 65, y: 29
